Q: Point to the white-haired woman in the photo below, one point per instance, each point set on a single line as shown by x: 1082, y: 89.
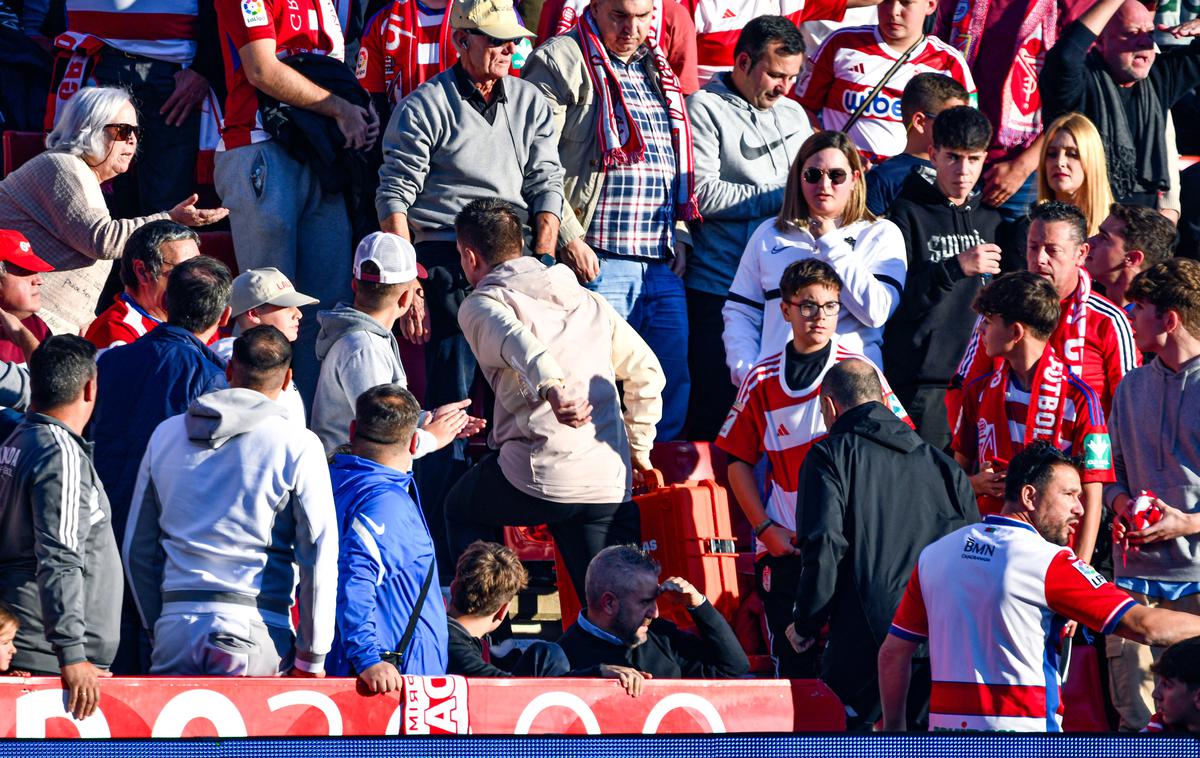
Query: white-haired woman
x: 56, y: 202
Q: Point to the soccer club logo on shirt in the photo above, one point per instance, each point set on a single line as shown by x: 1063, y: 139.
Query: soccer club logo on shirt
x: 986, y: 441
x: 254, y: 13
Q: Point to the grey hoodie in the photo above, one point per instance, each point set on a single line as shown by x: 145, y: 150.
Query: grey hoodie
x: 743, y: 155
x: 1155, y: 431
x: 237, y: 450
x: 356, y: 353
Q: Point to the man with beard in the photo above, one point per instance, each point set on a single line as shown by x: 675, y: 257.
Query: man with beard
x: 992, y: 600
x: 621, y: 627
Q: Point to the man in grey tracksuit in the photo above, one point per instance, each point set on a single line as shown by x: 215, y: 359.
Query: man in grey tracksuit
x: 745, y: 133
x: 59, y: 568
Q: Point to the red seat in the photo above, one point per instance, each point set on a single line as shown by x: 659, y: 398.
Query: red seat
x: 219, y: 245
x: 412, y: 357
x: 19, y: 147
x: 683, y: 461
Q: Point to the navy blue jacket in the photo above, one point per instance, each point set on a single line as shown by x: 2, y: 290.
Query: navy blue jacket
x: 385, y: 553
x: 141, y: 385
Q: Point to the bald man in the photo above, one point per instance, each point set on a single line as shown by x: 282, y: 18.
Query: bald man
x: 875, y: 491
x: 1127, y: 89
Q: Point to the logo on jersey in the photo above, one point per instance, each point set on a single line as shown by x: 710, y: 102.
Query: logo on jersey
x: 986, y: 445
x: 882, y: 106
x: 978, y: 551
x: 360, y: 68
x: 1089, y: 573
x: 1098, y: 452
x: 782, y: 431
x: 732, y: 417
x: 254, y: 13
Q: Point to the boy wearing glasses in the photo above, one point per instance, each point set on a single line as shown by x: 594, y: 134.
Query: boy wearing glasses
x: 777, y: 414
x: 951, y: 239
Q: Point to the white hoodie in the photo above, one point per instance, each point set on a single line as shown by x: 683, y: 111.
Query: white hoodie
x: 230, y: 498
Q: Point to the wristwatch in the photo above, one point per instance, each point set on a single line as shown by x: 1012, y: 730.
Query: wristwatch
x: 766, y: 524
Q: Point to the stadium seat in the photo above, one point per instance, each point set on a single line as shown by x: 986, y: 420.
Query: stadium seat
x: 19, y: 147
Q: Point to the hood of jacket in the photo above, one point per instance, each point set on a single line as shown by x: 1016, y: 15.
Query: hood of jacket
x: 218, y: 417
x: 552, y: 286
x: 876, y: 422
x: 922, y: 184
x: 353, y: 476
x: 1173, y: 386
x: 342, y: 320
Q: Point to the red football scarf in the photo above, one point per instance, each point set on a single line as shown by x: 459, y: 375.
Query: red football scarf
x: 1043, y: 420
x: 76, y: 54
x: 400, y: 44
x: 1068, y: 338
x: 1021, y: 107
x: 620, y: 139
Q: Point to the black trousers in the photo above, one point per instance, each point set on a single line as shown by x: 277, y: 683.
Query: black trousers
x: 483, y: 502
x: 778, y: 579
x: 712, y: 392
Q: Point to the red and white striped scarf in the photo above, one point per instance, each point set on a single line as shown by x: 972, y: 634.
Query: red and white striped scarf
x: 621, y: 141
x: 572, y: 11
x: 1068, y: 338
x: 401, y: 40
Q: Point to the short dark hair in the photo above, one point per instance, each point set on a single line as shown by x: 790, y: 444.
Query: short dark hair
x: 145, y: 245
x: 806, y: 272
x: 375, y: 295
x: 59, y: 369
x: 852, y: 382
x: 763, y: 31
x: 486, y: 577
x: 261, y: 357
x: 197, y: 293
x: 962, y: 128
x: 1147, y: 230
x: 610, y: 569
x: 1053, y: 211
x: 492, y: 227
x: 929, y: 93
x: 1180, y: 662
x: 1034, y: 465
x: 1022, y: 297
x: 385, y: 415
x: 1173, y: 285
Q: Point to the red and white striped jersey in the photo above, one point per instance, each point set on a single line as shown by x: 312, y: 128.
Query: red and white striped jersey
x: 380, y: 56
x: 165, y: 30
x: 296, y: 26
x: 771, y: 418
x: 720, y: 22
x: 992, y: 599
x: 850, y: 63
x: 1105, y: 356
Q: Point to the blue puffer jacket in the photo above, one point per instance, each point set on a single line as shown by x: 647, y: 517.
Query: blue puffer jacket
x: 385, y: 554
x: 143, y: 384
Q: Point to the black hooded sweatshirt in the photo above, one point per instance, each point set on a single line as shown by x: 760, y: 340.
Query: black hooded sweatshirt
x: 925, y: 338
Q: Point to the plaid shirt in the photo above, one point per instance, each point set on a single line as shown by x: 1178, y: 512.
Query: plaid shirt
x: 635, y: 214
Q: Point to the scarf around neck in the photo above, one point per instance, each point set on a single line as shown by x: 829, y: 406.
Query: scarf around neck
x: 1136, y: 152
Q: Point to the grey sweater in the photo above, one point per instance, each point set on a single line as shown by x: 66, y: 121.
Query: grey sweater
x: 439, y: 154
x: 743, y: 155
x: 1155, y: 431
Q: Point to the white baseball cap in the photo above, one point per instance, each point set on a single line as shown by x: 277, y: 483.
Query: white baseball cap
x: 394, y: 255
x: 264, y: 286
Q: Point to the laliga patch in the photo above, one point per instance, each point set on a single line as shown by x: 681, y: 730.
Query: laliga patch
x: 254, y: 13
x: 732, y: 417
x: 766, y: 579
x: 1097, y: 452
x: 360, y: 67
x: 1089, y: 573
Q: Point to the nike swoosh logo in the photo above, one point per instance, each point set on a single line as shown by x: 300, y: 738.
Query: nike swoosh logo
x: 752, y: 153
x: 374, y: 527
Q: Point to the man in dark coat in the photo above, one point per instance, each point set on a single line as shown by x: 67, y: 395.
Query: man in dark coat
x: 872, y: 494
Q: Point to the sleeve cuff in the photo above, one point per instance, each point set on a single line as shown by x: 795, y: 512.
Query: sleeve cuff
x: 71, y: 654
x: 426, y: 443
x: 904, y: 634
x: 311, y: 663
x: 549, y: 202
x: 1115, y: 618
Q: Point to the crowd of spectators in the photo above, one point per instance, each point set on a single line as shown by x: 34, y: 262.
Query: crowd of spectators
x: 904, y: 275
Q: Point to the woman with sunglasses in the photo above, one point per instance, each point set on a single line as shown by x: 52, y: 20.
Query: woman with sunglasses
x: 824, y: 216
x: 1073, y: 169
x: 55, y: 200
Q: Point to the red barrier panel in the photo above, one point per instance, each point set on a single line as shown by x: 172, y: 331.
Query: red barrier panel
x: 228, y: 707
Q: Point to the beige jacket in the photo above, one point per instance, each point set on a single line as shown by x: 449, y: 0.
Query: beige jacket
x: 532, y: 327
x: 56, y: 202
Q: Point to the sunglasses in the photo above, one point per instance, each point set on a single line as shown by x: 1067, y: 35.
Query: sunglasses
x: 122, y: 131
x: 492, y: 41
x: 814, y: 175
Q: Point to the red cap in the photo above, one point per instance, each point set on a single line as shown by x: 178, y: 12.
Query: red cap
x: 15, y: 249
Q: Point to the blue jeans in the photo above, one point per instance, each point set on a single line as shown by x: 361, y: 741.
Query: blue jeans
x: 652, y: 300
x: 1017, y: 206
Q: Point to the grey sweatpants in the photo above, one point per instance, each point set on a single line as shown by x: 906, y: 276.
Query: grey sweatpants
x: 219, y: 643
x: 280, y: 217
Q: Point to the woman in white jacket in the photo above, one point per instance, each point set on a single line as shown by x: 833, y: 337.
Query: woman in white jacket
x: 824, y: 216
